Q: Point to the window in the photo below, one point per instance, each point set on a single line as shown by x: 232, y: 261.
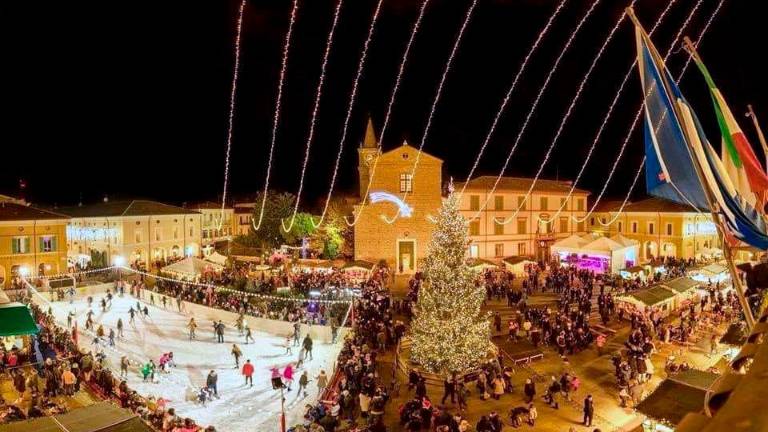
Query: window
x: 543, y: 203
x: 474, y: 202
x: 592, y: 221
x: 499, y: 249
x: 669, y: 229
x: 580, y: 205
x: 498, y: 202
x: 544, y: 227
x: 474, y: 228
x: 474, y: 251
x: 634, y: 227
x: 47, y: 244
x: 522, y: 226
x: 175, y: 232
x: 406, y: 183
x: 20, y: 245
x: 563, y: 224
x: 521, y: 249
x: 580, y: 226
x: 158, y: 237
x: 137, y: 236
x: 521, y: 203
x: 498, y: 228
x: 651, y: 228
x: 618, y: 227
x: 191, y: 231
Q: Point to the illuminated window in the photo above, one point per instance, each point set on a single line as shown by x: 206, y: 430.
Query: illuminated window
x: 20, y: 245
x: 406, y: 183
x: 137, y: 236
x: 499, y: 249
x: 474, y: 228
x: 474, y: 202
x: 498, y: 228
x: 521, y: 249
x: 47, y: 244
x: 563, y: 224
x: 522, y: 226
x: 158, y: 237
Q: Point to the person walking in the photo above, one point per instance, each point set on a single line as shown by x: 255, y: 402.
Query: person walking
x: 236, y: 353
x: 211, y: 381
x: 248, y: 334
x: 322, y: 382
x: 296, y: 333
x: 220, y: 332
x: 529, y: 389
x: 111, y: 337
x: 132, y: 313
x: 307, y: 345
x: 449, y: 389
x: 287, y: 345
x: 288, y: 375
x: 248, y: 372
x: 589, y: 410
x: 533, y: 414
x: 124, y: 363
x: 192, y: 325
x: 303, y: 381
x: 69, y: 379
x: 120, y: 328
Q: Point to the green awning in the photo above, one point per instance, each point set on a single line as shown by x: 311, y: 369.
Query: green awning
x: 16, y: 320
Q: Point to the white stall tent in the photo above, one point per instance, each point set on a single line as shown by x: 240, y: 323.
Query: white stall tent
x: 191, y: 268
x: 610, y: 255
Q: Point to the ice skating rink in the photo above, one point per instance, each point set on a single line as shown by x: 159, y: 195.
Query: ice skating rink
x: 239, y: 408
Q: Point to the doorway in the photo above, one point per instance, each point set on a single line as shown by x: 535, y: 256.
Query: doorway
x: 406, y: 256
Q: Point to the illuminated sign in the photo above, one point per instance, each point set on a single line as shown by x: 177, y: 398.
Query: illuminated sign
x: 403, y: 209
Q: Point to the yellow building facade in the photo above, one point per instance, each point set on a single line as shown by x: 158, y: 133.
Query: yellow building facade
x: 217, y: 225
x: 32, y: 241
x: 402, y: 243
x: 663, y: 228
x: 505, y: 223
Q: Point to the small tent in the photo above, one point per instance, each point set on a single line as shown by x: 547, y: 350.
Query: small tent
x: 601, y: 254
x: 517, y: 264
x: 678, y: 395
x: 217, y: 258
x: 481, y: 264
x: 191, y: 268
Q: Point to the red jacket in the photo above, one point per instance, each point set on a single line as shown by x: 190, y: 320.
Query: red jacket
x: 247, y: 369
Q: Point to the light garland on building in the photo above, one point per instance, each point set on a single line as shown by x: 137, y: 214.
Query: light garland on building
x: 536, y: 101
x: 567, y: 115
x: 607, y: 115
x: 71, y: 274
x: 640, y: 108
x: 390, y: 105
x: 232, y: 99
x: 350, y: 106
x: 436, y: 100
x: 511, y: 89
x: 276, y: 117
x: 315, y: 112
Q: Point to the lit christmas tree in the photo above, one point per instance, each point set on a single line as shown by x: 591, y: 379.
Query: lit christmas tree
x: 449, y: 332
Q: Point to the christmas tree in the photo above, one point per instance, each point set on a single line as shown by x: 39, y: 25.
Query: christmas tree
x: 449, y: 332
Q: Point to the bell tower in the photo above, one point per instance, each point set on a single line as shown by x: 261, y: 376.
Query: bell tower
x: 366, y: 156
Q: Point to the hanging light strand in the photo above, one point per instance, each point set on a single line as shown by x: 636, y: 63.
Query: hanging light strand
x: 639, y: 112
x: 679, y: 77
x: 232, y: 99
x: 608, y: 115
x: 390, y: 105
x: 315, y: 112
x: 436, y: 100
x: 536, y: 101
x: 511, y: 89
x: 276, y: 117
x: 350, y: 106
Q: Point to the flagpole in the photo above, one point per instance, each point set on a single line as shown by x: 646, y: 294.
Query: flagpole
x: 727, y: 251
x: 711, y: 201
x: 760, y: 136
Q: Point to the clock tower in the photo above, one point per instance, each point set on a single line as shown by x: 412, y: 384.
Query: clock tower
x: 366, y: 156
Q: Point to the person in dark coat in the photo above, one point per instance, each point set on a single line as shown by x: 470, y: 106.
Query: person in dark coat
x: 589, y: 410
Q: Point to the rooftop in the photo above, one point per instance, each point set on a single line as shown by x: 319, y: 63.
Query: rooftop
x: 648, y: 205
x: 125, y: 208
x: 10, y: 211
x: 521, y: 184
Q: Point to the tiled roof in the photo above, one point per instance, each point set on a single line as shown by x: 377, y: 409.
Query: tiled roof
x: 206, y: 205
x: 125, y: 208
x: 649, y: 205
x: 520, y: 184
x: 16, y: 212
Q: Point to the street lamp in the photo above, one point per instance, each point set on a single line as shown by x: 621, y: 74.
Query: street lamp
x: 24, y: 271
x: 119, y: 261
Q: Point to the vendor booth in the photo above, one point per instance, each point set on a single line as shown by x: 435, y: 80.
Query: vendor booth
x: 358, y: 271
x: 598, y: 254
x: 310, y: 265
x: 658, y: 297
x: 480, y: 264
x: 686, y: 290
x: 675, y: 397
x: 713, y: 272
x: 517, y: 264
x: 191, y: 268
x: 217, y: 258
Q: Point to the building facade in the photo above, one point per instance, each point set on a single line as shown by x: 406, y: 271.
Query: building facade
x: 243, y: 218
x: 506, y: 224
x: 663, y: 228
x: 139, y: 231
x: 402, y: 243
x: 32, y: 241
x: 217, y: 225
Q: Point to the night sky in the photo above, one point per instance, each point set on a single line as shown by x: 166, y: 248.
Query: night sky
x: 130, y: 99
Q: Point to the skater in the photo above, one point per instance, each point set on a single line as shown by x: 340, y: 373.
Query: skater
x: 248, y: 334
x: 146, y: 312
x: 90, y: 301
x: 88, y: 323
x: 300, y: 360
x: 239, y: 324
x: 165, y: 300
x: 70, y: 316
x: 296, y: 333
x: 288, y: 350
x: 220, y: 332
x: 236, y: 353
x: 277, y: 381
x: 248, y: 372
x: 192, y: 325
x: 288, y: 375
x: 124, y: 363
x: 111, y: 337
x: 151, y: 299
x: 120, y: 328
x: 148, y: 370
x: 103, y: 305
x: 178, y: 302
x: 308, y: 345
x: 322, y: 382
x: 132, y: 313
x: 211, y: 382
x: 303, y: 381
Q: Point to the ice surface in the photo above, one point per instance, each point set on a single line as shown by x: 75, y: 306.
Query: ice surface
x: 239, y: 408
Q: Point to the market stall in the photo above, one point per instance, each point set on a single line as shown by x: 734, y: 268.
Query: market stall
x: 711, y: 273
x: 217, y: 258
x: 600, y: 254
x: 658, y: 297
x: 358, y: 271
x: 685, y: 289
x: 518, y: 264
x: 480, y: 264
x: 190, y: 268
x: 675, y: 397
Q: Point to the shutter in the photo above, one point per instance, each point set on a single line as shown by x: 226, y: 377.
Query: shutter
x: 53, y: 244
x: 14, y: 246
x: 41, y: 244
x: 26, y: 245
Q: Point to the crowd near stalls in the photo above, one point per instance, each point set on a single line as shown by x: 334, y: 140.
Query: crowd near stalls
x: 58, y: 370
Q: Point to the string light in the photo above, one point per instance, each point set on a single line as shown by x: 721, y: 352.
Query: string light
x: 712, y: 16
x: 605, y: 119
x: 232, y: 98
x: 436, y: 100
x: 315, y: 112
x: 392, y: 98
x: 350, y: 105
x: 276, y: 118
x: 640, y: 108
x: 536, y: 101
x: 505, y: 101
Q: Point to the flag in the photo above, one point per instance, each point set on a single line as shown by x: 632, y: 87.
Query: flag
x: 682, y: 165
x: 741, y: 162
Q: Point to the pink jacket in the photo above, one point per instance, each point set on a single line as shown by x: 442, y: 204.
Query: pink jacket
x: 288, y: 372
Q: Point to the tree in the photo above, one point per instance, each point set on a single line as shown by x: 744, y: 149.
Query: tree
x: 449, y: 332
x: 277, y: 207
x: 302, y: 228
